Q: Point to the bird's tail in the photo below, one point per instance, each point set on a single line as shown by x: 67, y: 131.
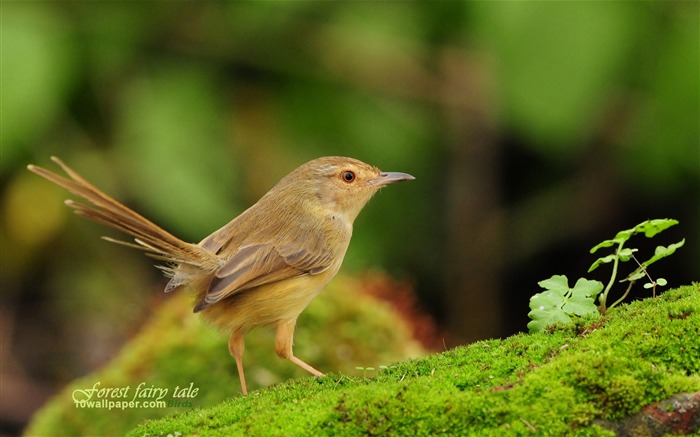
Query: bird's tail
x: 149, y: 237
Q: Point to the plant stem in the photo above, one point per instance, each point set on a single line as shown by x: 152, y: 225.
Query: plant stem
x: 651, y: 281
x: 629, y: 287
x: 604, y: 296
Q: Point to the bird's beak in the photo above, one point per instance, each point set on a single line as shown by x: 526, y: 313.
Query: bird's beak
x: 390, y: 177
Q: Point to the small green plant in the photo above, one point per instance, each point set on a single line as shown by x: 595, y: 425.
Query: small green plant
x: 622, y: 254
x: 371, y: 369
x: 365, y: 370
x: 559, y: 302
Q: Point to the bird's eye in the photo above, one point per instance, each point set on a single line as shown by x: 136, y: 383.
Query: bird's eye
x: 347, y: 176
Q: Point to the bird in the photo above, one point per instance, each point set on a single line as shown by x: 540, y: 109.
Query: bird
x: 266, y: 265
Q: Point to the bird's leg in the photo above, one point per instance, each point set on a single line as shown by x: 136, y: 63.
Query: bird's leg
x: 284, y: 340
x: 236, y: 347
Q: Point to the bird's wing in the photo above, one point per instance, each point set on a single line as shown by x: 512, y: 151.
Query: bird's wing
x: 253, y: 265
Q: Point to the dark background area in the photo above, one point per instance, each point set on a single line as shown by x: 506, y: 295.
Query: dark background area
x: 535, y: 130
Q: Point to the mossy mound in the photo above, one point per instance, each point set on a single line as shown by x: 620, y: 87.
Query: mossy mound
x: 560, y: 383
x: 342, y: 329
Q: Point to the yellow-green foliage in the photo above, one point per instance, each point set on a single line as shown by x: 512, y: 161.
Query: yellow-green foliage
x: 556, y: 383
x: 343, y: 328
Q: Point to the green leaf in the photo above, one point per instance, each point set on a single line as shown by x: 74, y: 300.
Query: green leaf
x: 586, y: 288
x: 581, y: 306
x: 626, y: 254
x: 620, y: 238
x: 541, y: 319
x: 547, y: 300
x: 603, y: 260
x: 557, y: 302
x: 558, y: 283
x: 582, y: 300
x: 662, y: 252
x: 653, y: 227
x: 648, y: 227
x: 661, y: 281
x: 636, y: 275
x: 547, y: 306
x: 648, y: 285
x: 624, y: 235
x: 606, y: 243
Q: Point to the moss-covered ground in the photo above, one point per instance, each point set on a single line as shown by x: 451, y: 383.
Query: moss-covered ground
x: 558, y: 383
x: 342, y: 329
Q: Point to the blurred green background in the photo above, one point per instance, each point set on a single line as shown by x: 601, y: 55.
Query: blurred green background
x: 534, y: 129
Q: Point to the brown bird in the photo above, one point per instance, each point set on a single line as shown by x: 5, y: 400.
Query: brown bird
x: 267, y: 264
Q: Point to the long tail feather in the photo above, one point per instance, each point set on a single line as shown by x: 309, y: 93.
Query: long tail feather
x: 151, y: 238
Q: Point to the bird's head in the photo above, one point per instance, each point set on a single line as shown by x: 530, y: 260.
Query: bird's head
x: 342, y: 185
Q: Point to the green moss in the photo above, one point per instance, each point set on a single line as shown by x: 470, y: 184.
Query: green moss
x: 343, y: 328
x: 557, y: 383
